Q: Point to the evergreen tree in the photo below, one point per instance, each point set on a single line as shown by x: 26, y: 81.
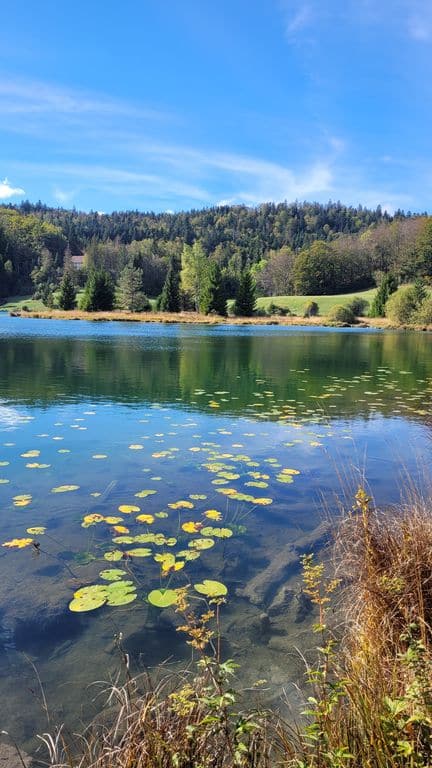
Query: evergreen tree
x: 420, y: 290
x: 98, y: 292
x: 169, y: 300
x: 388, y: 286
x: 213, y: 297
x: 245, y: 303
x: 132, y: 296
x: 67, y: 296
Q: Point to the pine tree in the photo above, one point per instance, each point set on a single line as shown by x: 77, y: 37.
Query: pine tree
x: 132, y: 296
x: 245, y: 303
x: 67, y: 295
x: 98, y: 292
x: 169, y: 300
x: 388, y: 286
x: 213, y: 297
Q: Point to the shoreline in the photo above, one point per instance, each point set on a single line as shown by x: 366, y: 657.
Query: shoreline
x: 193, y: 318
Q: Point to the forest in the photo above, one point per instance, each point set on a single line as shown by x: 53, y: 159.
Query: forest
x: 198, y: 259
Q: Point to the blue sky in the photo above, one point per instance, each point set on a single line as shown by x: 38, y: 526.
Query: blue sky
x: 190, y: 103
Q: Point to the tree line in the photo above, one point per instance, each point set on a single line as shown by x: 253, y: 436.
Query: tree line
x: 196, y: 260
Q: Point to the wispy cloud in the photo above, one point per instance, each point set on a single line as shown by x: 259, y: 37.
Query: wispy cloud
x: 7, y: 190
x: 298, y: 15
x: 33, y: 97
x: 134, y: 162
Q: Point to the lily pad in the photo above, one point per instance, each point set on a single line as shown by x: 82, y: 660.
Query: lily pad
x: 112, y: 574
x: 128, y: 508
x: 211, y: 588
x: 113, y: 556
x: 64, y: 488
x: 139, y: 552
x: 162, y: 598
x: 121, y: 598
x: 201, y: 544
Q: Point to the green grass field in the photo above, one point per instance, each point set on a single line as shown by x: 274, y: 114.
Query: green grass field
x: 296, y: 303
x: 15, y: 303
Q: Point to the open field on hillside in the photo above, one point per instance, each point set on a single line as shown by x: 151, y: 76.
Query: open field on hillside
x: 296, y: 303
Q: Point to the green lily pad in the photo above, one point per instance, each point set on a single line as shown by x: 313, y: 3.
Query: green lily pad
x: 201, y: 543
x: 113, y: 556
x: 121, y: 598
x: 220, y: 533
x: 139, y: 552
x: 112, y: 574
x: 211, y: 588
x: 162, y: 598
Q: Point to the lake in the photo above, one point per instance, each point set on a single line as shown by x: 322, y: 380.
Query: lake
x: 219, y: 451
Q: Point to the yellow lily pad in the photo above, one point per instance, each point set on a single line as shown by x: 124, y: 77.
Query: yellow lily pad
x: 18, y: 543
x: 64, y: 488
x: 149, y: 519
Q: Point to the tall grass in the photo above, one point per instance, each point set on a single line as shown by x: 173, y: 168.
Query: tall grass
x: 368, y: 694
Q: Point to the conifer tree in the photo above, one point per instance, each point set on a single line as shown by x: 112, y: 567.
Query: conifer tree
x: 67, y: 295
x: 169, y: 300
x: 213, y: 297
x: 388, y: 286
x: 98, y: 292
x: 245, y: 303
x: 131, y: 294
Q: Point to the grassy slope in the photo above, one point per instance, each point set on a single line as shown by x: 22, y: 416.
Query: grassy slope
x: 13, y: 303
x: 296, y: 303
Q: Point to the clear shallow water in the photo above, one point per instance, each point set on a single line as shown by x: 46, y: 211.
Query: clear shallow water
x: 331, y: 404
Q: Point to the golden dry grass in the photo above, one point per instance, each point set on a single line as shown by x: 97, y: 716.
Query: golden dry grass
x: 190, y: 318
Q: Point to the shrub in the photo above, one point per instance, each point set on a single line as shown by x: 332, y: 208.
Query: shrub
x: 402, y: 305
x: 359, y: 306
x: 423, y: 315
x: 310, y: 309
x: 341, y: 314
x: 275, y: 309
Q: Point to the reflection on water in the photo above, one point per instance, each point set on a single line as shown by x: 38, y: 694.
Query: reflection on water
x: 222, y: 418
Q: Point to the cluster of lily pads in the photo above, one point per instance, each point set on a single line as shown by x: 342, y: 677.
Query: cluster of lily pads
x: 133, y: 538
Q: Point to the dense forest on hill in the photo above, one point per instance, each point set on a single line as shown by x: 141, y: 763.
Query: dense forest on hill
x: 304, y: 248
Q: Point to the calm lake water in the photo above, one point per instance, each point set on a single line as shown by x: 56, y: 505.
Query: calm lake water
x: 268, y: 426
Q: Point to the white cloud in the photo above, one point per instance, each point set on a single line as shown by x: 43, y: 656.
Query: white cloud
x: 6, y: 190
x: 64, y: 196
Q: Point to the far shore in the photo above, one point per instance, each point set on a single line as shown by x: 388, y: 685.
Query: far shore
x: 195, y: 318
